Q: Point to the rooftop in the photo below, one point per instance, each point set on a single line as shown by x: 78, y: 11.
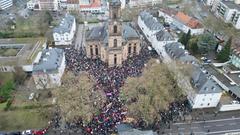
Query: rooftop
x: 203, y: 82
x: 50, y: 60
x: 150, y: 21
x: 187, y: 20
x: 164, y: 36
x: 65, y: 25
x: 93, y: 4
x: 231, y: 4
x: 100, y: 33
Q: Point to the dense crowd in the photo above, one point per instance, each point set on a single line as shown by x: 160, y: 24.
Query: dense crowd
x: 109, y: 80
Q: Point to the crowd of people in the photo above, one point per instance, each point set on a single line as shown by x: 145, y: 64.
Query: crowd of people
x: 109, y: 80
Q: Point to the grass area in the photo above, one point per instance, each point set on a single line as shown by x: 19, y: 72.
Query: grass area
x: 4, y: 77
x: 34, y: 26
x: 22, y: 119
x: 145, y: 96
x: 2, y: 106
x: 6, y: 52
x: 76, y: 98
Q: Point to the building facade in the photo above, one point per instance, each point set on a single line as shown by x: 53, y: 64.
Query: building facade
x: 182, y: 21
x: 73, y: 5
x: 4, y: 4
x: 65, y: 32
x: 207, y: 92
x: 47, y: 72
x: 229, y: 11
x: 52, y: 5
x: 114, y: 41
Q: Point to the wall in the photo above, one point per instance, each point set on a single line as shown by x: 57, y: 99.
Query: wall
x: 206, y: 100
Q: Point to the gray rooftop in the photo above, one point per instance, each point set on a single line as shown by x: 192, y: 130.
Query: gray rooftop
x: 164, y: 36
x: 100, y: 33
x: 129, y: 32
x: 231, y: 4
x: 235, y: 90
x: 65, y: 24
x: 115, y: 2
x: 150, y: 21
x: 175, y: 50
x: 203, y: 82
x: 50, y: 60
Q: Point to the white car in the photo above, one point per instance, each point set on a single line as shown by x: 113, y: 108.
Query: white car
x: 27, y: 132
x: 235, y: 102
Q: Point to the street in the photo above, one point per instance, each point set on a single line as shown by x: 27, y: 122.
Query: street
x: 209, y: 127
x: 79, y: 42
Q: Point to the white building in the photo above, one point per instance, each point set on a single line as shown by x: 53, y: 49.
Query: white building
x: 64, y: 33
x: 47, y: 72
x: 207, y: 92
x: 73, y: 5
x: 137, y: 3
x: 156, y: 34
x: 62, y: 3
x: 229, y: 11
x: 4, y: 4
x: 52, y: 5
x: 182, y: 21
x: 209, y: 2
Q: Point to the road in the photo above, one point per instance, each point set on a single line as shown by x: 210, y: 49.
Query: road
x: 80, y: 37
x: 210, y: 127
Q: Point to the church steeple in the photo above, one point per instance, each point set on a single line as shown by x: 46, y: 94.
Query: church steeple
x: 115, y: 9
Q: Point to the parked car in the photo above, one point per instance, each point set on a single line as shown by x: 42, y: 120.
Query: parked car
x: 27, y: 132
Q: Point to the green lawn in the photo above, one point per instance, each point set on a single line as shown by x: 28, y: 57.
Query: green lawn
x: 22, y: 119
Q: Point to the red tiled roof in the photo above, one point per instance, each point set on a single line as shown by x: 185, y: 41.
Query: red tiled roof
x: 189, y: 21
x: 73, y: 1
x: 94, y: 4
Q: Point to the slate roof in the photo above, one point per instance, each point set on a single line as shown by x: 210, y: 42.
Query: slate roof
x: 150, y: 21
x: 65, y: 25
x: 164, y: 36
x: 50, y: 60
x: 100, y: 33
x: 129, y: 32
x: 203, y: 82
x: 176, y: 51
x: 115, y: 2
x: 97, y: 33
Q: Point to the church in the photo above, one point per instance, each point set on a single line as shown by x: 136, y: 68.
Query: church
x: 114, y: 41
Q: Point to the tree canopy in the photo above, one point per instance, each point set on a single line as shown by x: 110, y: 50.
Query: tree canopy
x: 224, y: 54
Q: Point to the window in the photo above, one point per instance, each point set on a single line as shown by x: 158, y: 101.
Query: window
x: 114, y: 16
x: 134, y: 49
x: 129, y: 49
x: 115, y: 29
x: 115, y: 42
x: 96, y: 50
x: 208, y: 104
x: 91, y: 51
x: 115, y: 59
x: 206, y: 89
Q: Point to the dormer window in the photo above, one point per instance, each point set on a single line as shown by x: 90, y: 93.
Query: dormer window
x: 206, y: 89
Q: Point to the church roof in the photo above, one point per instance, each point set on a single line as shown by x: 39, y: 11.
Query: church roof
x: 129, y: 32
x: 100, y: 33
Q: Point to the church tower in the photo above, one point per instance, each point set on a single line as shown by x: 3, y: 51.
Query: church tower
x: 115, y: 33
